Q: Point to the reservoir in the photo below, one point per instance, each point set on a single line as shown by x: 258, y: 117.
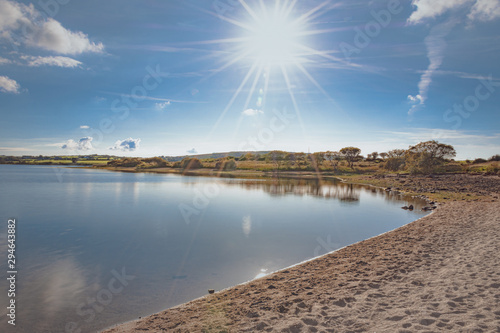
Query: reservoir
x: 95, y: 248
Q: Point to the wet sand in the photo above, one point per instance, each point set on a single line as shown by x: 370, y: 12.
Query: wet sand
x: 440, y: 273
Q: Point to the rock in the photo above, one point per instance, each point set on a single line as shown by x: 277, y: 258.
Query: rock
x: 211, y: 291
x: 411, y: 207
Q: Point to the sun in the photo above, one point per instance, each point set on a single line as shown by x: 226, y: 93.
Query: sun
x: 273, y: 38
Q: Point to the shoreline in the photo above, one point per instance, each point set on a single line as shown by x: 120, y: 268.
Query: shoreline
x: 344, y: 286
x: 110, y: 329
x: 410, y: 279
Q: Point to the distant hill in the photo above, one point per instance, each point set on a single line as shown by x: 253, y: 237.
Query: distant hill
x: 236, y: 154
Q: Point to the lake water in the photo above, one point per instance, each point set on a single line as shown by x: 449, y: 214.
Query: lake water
x: 95, y: 248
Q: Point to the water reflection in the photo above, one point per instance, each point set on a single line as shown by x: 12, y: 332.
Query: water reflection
x: 329, y: 189
x: 247, y: 225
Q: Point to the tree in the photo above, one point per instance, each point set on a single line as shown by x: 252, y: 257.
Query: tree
x: 426, y: 156
x: 334, y: 157
x: 317, y: 159
x: 374, y: 155
x: 384, y: 155
x: 290, y: 160
x: 247, y: 157
x: 300, y: 160
x: 277, y: 157
x: 395, y: 153
x: 434, y: 149
x: 395, y: 160
x: 350, y: 154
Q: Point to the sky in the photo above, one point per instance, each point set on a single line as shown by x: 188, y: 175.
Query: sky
x: 178, y: 77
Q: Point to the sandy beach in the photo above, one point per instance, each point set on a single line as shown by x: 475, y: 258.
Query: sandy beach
x: 438, y: 274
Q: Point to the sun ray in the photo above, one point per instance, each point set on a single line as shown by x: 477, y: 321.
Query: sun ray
x: 320, y: 88
x: 247, y: 102
x: 289, y: 9
x: 294, y: 101
x: 308, y: 16
x: 249, y: 10
x: 235, y: 95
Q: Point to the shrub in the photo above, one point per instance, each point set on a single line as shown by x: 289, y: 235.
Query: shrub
x: 226, y: 165
x: 155, y: 162
x: 495, y: 158
x: 479, y: 161
x: 394, y: 163
x: 191, y: 163
x: 125, y: 162
x: 493, y: 169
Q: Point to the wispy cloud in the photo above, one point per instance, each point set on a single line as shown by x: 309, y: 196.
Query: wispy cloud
x: 84, y: 127
x: 82, y: 144
x: 163, y: 106
x: 7, y: 85
x: 425, y: 134
x: 461, y: 10
x: 4, y: 61
x: 24, y: 25
x: 436, y: 46
x: 252, y: 112
x: 158, y: 99
x: 13, y: 149
x: 126, y: 145
x: 58, y: 61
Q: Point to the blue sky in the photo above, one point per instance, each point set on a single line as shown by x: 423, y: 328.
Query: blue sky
x: 148, y: 78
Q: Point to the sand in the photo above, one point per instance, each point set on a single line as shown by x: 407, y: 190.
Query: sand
x: 438, y: 274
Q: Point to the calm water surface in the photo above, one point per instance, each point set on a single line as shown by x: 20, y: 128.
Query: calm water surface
x: 95, y: 248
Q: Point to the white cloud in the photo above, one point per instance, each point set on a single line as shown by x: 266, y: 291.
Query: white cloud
x: 252, y: 112
x: 433, y: 8
x: 8, y: 85
x: 4, y: 61
x: 192, y: 151
x: 84, y: 127
x: 22, y: 24
x: 126, y: 145
x: 82, y: 144
x: 58, y: 61
x: 163, y: 106
x: 53, y: 36
x: 415, y: 99
x: 476, y: 10
x: 485, y: 10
